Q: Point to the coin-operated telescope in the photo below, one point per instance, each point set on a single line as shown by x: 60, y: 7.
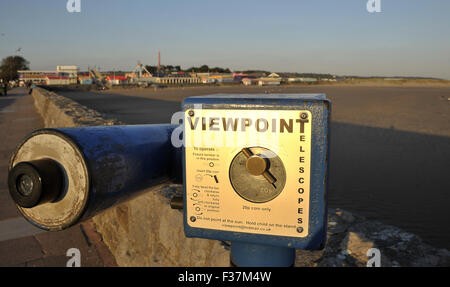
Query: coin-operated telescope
x: 254, y: 170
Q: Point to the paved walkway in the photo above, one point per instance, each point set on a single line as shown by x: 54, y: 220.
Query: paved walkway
x: 22, y: 244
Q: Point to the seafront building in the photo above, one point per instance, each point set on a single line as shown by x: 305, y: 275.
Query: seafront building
x: 70, y: 75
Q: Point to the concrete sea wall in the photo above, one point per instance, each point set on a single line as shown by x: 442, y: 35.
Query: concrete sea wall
x: 147, y: 232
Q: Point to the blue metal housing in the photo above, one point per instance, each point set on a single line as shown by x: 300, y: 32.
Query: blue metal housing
x: 123, y: 161
x: 319, y: 107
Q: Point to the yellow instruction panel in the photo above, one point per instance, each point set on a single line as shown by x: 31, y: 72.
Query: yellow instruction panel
x: 248, y: 170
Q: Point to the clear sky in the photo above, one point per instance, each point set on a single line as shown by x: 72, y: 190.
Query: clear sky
x: 408, y: 38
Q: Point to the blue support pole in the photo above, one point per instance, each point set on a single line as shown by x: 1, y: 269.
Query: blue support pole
x: 257, y: 255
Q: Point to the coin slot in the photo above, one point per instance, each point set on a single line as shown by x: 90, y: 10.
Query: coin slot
x: 254, y: 172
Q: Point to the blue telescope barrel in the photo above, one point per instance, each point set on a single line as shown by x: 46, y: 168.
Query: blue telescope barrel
x: 58, y: 177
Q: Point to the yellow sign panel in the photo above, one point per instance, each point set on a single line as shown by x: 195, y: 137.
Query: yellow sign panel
x: 248, y: 170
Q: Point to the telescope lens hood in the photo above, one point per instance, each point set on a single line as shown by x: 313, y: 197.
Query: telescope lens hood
x: 35, y: 182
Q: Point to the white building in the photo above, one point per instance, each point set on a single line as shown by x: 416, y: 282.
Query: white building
x: 40, y: 77
x: 68, y: 69
x: 302, y: 80
x: 269, y: 81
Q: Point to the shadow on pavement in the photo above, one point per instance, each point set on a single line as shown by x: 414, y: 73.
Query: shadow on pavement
x: 6, y: 101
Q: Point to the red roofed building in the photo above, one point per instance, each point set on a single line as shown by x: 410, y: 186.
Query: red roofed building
x: 116, y: 80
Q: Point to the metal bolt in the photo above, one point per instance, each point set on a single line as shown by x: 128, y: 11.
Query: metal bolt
x: 193, y: 219
x: 191, y: 113
x: 177, y: 202
x: 304, y: 116
x: 299, y: 229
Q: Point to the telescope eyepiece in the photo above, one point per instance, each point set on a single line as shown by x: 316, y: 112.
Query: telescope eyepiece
x: 25, y: 184
x: 35, y: 182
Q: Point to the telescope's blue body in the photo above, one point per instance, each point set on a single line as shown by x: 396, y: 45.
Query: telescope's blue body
x: 123, y: 161
x: 120, y: 162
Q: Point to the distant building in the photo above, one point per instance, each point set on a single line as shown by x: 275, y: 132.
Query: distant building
x: 250, y: 81
x: 85, y: 79
x: 57, y: 80
x: 116, y: 80
x: 239, y: 77
x: 177, y: 80
x: 70, y: 70
x: 40, y: 77
x: 274, y: 75
x: 200, y: 75
x: 302, y: 80
x: 179, y: 74
x: 269, y: 81
x: 222, y: 78
x: 207, y: 80
x: 37, y: 77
